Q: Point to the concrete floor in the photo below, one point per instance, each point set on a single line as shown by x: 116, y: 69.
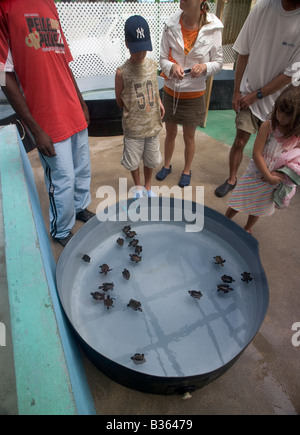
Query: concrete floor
x: 266, y: 378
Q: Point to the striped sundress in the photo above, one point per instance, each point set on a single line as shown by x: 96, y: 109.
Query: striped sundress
x: 252, y: 195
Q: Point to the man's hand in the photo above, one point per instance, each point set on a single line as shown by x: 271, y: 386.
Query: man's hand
x: 248, y: 100
x: 18, y: 102
x: 236, y: 101
x: 44, y: 144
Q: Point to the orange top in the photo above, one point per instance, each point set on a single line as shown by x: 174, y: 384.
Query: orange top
x: 189, y: 39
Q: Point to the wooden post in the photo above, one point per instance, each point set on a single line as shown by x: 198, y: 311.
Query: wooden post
x: 209, y: 82
x: 220, y: 9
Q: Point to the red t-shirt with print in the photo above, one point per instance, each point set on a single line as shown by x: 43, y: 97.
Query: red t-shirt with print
x: 33, y: 45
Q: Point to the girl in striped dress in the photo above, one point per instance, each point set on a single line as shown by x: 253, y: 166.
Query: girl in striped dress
x: 254, y: 192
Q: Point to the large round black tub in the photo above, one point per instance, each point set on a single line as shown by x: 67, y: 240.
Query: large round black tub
x: 187, y: 342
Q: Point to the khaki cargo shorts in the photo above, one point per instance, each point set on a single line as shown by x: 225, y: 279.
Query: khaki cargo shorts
x: 136, y: 150
x: 246, y: 121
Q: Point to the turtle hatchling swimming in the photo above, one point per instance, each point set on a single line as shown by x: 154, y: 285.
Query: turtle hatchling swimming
x: 195, y: 294
x: 107, y: 286
x: 138, y: 358
x: 246, y: 277
x: 98, y: 296
x: 135, y: 257
x: 105, y: 269
x: 108, y: 302
x: 228, y: 279
x: 133, y: 243
x: 120, y: 241
x: 224, y: 288
x: 135, y: 305
x: 219, y: 260
x: 126, y: 274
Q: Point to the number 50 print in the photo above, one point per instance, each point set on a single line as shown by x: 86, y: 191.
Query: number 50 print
x: 296, y: 336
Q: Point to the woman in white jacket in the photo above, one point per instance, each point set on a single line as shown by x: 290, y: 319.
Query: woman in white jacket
x: 191, y: 50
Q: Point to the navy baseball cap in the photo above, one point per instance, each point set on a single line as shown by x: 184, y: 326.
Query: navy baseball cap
x: 137, y: 34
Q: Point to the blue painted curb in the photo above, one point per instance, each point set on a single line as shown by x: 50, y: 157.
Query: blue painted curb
x: 49, y: 371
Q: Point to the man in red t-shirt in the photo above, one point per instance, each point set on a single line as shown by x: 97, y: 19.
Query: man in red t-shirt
x: 41, y: 88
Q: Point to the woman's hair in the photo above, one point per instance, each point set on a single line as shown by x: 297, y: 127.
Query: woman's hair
x: 204, y: 9
x: 288, y: 102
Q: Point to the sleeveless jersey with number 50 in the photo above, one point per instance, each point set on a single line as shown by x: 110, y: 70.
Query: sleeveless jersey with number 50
x: 141, y: 112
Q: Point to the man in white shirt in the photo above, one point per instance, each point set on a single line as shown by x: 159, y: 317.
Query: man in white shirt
x: 268, y: 49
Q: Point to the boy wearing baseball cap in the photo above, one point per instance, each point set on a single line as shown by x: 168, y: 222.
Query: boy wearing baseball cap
x: 137, y: 93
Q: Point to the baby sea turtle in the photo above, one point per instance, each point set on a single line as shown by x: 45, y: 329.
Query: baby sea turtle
x: 126, y: 229
x: 126, y: 274
x: 138, y: 358
x: 195, y: 294
x: 138, y: 249
x: 135, y: 257
x: 86, y: 258
x: 98, y: 296
x: 133, y: 243
x: 120, y: 241
x: 130, y: 235
x: 107, y: 286
x: 219, y: 260
x: 135, y: 305
x: 227, y: 278
x: 246, y: 277
x: 108, y: 302
x: 224, y: 288
x: 105, y: 269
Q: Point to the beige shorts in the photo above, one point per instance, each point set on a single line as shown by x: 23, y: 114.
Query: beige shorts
x: 136, y: 150
x: 246, y: 121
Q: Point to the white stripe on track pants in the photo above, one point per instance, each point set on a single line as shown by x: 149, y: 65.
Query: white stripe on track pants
x: 68, y: 179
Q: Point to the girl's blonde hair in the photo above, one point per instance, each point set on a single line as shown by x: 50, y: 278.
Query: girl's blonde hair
x: 288, y: 102
x: 204, y: 8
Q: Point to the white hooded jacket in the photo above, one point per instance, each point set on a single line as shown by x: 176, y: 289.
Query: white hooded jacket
x: 207, y: 49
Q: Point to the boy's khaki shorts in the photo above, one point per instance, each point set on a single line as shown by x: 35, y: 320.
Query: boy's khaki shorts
x: 136, y: 150
x: 246, y: 121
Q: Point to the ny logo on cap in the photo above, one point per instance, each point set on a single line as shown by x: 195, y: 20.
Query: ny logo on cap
x: 140, y: 34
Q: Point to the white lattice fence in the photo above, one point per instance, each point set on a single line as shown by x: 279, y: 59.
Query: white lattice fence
x: 95, y: 32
